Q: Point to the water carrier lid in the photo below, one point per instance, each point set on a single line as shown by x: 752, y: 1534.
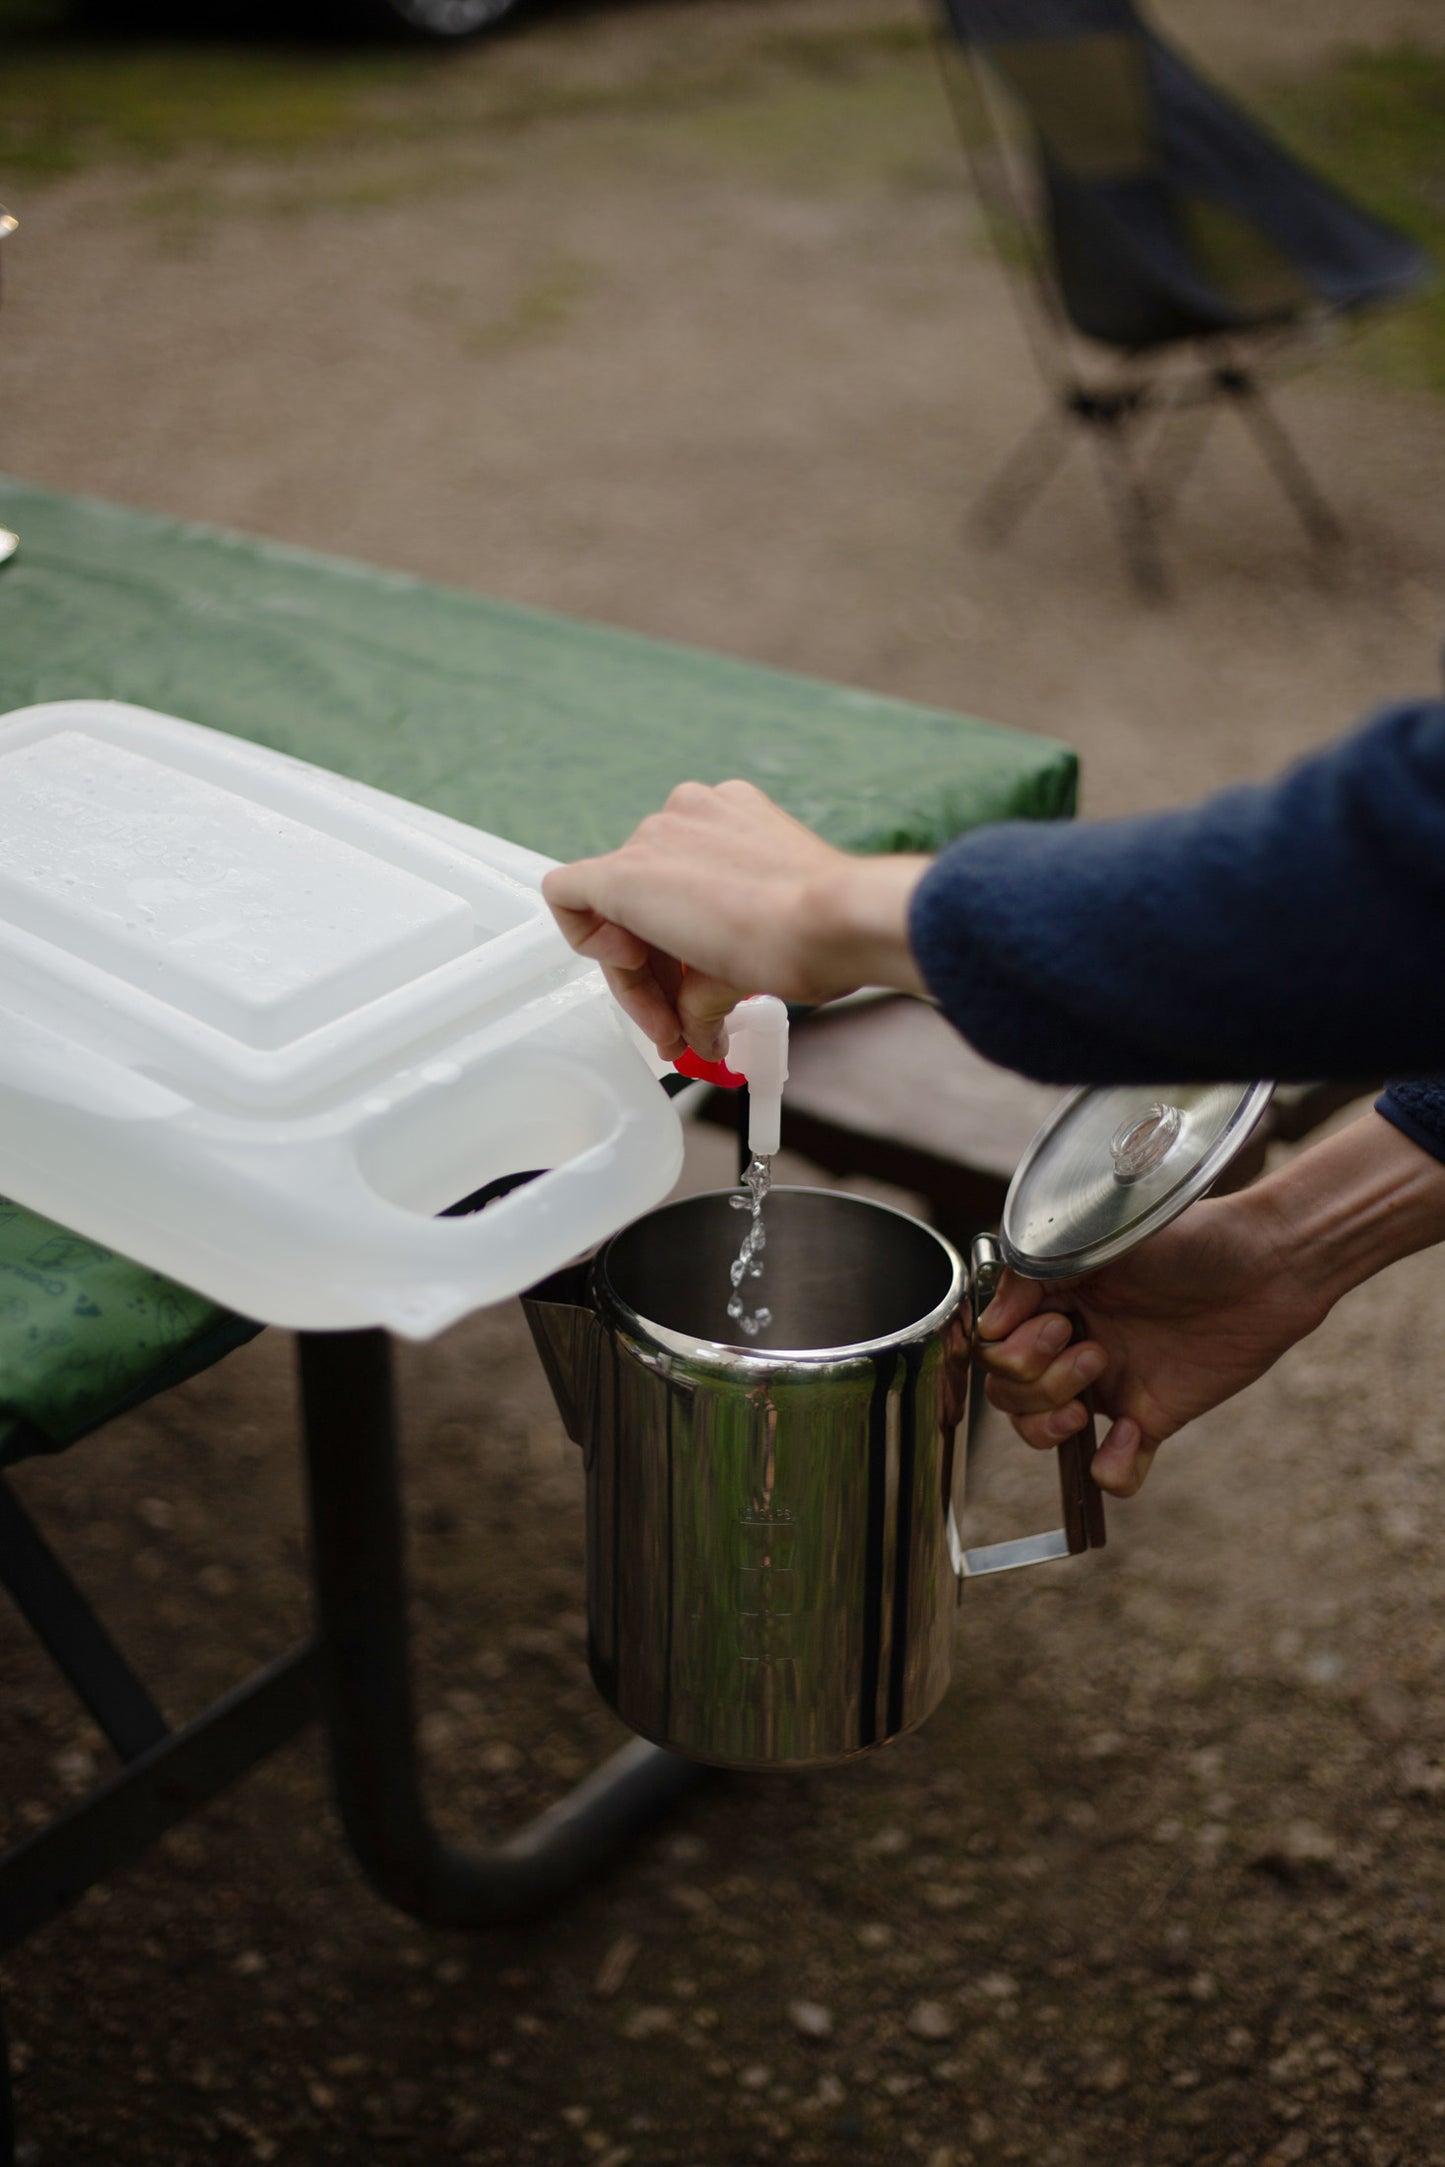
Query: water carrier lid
x: 260, y: 1025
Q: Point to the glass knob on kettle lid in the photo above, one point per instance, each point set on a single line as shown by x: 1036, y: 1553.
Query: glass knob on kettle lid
x: 1116, y: 1162
x: 1142, y: 1140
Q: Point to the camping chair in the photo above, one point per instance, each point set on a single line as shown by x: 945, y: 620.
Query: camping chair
x: 1162, y: 225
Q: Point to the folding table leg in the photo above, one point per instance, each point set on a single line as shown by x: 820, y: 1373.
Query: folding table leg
x: 357, y: 1541
x: 73, y: 1636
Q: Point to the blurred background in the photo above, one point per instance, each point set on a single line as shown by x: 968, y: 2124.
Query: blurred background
x: 682, y: 315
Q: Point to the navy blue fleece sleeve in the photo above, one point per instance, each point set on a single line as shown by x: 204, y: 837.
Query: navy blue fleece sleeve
x: 1295, y: 930
x: 1418, y: 1111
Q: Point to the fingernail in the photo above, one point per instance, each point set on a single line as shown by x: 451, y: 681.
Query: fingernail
x: 1055, y: 1335
x: 1065, y: 1421
x: 1090, y: 1364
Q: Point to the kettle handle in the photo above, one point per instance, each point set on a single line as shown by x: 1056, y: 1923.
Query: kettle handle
x: 1083, y: 1501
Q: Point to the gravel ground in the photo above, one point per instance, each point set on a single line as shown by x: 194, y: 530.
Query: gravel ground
x: 1162, y: 1880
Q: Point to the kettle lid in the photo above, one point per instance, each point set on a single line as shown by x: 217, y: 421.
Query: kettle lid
x: 1116, y: 1162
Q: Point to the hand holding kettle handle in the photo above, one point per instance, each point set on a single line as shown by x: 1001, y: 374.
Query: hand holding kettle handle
x: 1083, y: 1501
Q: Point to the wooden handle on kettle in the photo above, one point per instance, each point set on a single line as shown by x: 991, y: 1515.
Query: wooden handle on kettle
x: 1083, y: 1500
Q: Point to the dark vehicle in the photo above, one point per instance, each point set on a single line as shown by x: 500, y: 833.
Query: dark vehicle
x: 431, y: 20
x: 426, y: 18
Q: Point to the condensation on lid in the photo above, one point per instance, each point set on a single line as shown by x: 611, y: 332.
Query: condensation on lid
x: 258, y: 1023
x: 229, y: 910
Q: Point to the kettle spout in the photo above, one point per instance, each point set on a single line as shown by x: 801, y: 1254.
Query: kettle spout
x: 566, y: 1332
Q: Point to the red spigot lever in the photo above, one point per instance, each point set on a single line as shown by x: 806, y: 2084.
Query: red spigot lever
x: 713, y: 1072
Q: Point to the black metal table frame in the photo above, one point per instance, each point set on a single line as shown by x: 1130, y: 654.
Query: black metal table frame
x: 353, y: 1673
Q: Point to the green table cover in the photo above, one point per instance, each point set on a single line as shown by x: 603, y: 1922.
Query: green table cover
x: 556, y: 734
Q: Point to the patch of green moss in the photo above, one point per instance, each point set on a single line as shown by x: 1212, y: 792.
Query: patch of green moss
x: 814, y: 118
x: 832, y: 106
x: 68, y: 104
x: 539, y: 308
x: 544, y: 305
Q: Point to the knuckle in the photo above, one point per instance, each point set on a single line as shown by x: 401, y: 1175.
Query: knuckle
x: 1058, y: 1382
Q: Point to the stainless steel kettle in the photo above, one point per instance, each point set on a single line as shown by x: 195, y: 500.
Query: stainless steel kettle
x: 773, y: 1557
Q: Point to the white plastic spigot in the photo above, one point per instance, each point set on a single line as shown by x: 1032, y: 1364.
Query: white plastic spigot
x: 757, y: 1047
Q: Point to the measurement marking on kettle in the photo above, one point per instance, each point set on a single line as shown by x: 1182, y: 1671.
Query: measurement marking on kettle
x: 766, y: 1590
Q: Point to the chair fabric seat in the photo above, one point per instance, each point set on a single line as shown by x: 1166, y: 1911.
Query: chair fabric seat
x: 556, y: 734
x: 1222, y: 231
x: 1172, y: 214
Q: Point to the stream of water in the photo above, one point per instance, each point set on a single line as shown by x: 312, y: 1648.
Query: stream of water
x: 748, y: 1263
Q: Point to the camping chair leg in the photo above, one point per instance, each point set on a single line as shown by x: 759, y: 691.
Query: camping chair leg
x: 1023, y: 474
x: 356, y: 1533
x: 1175, y: 452
x: 1129, y: 502
x: 1280, y: 456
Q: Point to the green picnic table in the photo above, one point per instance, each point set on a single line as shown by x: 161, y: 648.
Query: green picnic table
x: 555, y: 734
x: 552, y: 733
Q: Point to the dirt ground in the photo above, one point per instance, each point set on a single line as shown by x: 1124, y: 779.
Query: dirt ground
x: 1162, y: 1881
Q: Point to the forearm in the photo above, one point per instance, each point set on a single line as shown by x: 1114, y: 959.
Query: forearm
x: 1337, y: 1213
x: 724, y: 882
x: 1287, y: 930
x: 857, y: 924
